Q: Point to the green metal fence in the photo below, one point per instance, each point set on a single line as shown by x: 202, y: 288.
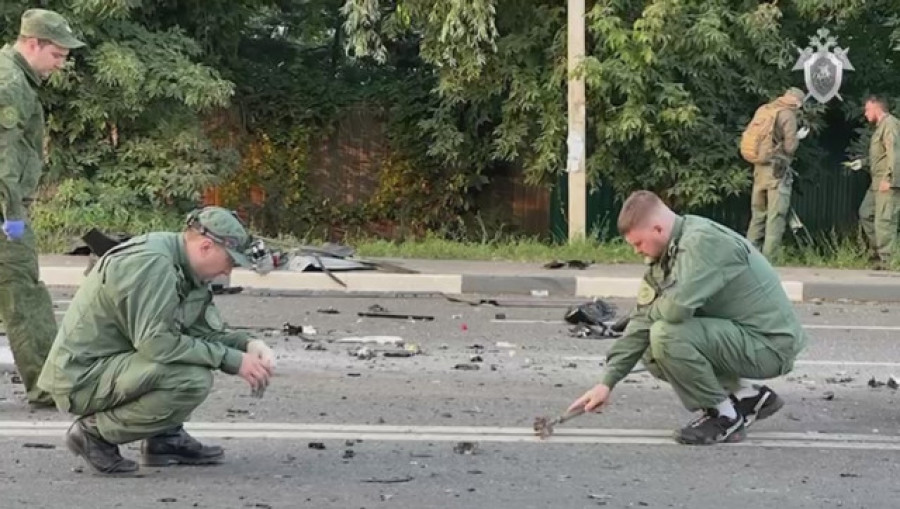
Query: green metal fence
x: 825, y: 200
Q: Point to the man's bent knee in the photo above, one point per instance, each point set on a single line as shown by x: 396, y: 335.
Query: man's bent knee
x: 192, y: 383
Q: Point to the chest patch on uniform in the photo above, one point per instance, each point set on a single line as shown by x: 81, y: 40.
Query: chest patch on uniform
x: 9, y: 117
x: 646, y: 294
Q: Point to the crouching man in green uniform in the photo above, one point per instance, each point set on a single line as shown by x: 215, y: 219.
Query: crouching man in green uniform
x: 136, y: 349
x: 711, y: 313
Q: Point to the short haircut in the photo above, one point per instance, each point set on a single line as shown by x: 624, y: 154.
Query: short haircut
x: 41, y: 42
x: 880, y: 101
x: 636, y: 209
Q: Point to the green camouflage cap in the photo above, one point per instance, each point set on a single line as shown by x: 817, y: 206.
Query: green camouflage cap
x: 50, y: 26
x: 224, y: 228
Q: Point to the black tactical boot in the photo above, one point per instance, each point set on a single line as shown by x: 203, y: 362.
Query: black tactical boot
x: 84, y: 440
x: 175, y: 447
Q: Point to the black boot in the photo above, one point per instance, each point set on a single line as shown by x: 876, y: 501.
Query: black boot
x: 84, y: 440
x: 175, y: 447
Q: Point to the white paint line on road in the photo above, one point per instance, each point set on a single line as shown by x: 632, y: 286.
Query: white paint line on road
x: 602, y: 358
x: 853, y: 327
x: 805, y: 326
x: 288, y: 431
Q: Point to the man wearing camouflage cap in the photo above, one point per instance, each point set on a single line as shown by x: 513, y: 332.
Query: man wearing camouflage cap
x: 136, y: 349
x: 773, y: 180
x: 26, y: 309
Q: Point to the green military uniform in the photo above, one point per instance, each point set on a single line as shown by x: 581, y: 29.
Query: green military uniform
x: 770, y: 200
x: 879, y: 212
x: 25, y: 305
x: 710, y: 311
x: 139, y: 341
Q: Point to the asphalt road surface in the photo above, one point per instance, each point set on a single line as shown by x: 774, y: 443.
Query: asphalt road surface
x: 338, y: 431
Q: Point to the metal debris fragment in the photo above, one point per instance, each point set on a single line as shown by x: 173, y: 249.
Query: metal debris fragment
x: 466, y: 448
x: 390, y: 480
x: 397, y: 316
x: 37, y: 445
x: 543, y: 426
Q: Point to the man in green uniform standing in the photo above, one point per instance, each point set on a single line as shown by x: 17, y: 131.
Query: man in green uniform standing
x: 773, y: 180
x: 25, y: 306
x: 711, y: 313
x: 879, y: 212
x: 136, y: 349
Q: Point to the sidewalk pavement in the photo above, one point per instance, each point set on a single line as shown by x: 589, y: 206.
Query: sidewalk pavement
x: 514, y: 278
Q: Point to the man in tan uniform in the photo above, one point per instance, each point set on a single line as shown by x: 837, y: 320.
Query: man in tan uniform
x: 770, y: 200
x: 879, y: 211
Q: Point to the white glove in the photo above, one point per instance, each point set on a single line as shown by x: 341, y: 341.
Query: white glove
x: 854, y: 165
x: 260, y: 349
x: 803, y: 133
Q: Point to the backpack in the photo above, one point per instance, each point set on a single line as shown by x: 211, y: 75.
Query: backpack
x: 758, y: 138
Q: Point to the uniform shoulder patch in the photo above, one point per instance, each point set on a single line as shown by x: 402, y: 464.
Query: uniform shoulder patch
x: 9, y: 117
x: 646, y: 293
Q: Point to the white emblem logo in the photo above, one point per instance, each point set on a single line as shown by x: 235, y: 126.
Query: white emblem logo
x: 822, y: 68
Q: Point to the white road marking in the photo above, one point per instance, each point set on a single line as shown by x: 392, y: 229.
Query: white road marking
x: 806, y: 326
x: 602, y: 358
x: 288, y: 431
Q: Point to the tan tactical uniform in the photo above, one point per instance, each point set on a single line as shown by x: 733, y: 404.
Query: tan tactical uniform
x: 770, y: 200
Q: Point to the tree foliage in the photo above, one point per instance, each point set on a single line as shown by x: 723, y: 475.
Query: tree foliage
x: 172, y: 97
x: 129, y: 108
x: 671, y: 83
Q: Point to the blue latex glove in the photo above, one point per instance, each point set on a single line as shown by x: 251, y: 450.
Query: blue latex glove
x: 14, y: 229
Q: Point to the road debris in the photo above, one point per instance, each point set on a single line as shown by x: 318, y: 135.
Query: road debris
x: 289, y: 329
x: 839, y: 379
x: 571, y: 264
x: 593, y: 320
x: 389, y: 480
x: 399, y: 353
x: 378, y: 340
x: 38, y: 445
x: 594, y: 312
x: 397, y: 316
x: 543, y: 426
x: 891, y: 383
x: 466, y: 448
x: 593, y: 332
x: 364, y: 353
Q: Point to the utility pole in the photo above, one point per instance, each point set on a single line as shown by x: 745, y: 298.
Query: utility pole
x: 577, y: 151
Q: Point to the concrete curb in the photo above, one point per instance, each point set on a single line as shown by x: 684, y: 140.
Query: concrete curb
x: 534, y: 285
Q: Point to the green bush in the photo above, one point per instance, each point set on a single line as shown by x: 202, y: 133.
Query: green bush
x: 79, y: 205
